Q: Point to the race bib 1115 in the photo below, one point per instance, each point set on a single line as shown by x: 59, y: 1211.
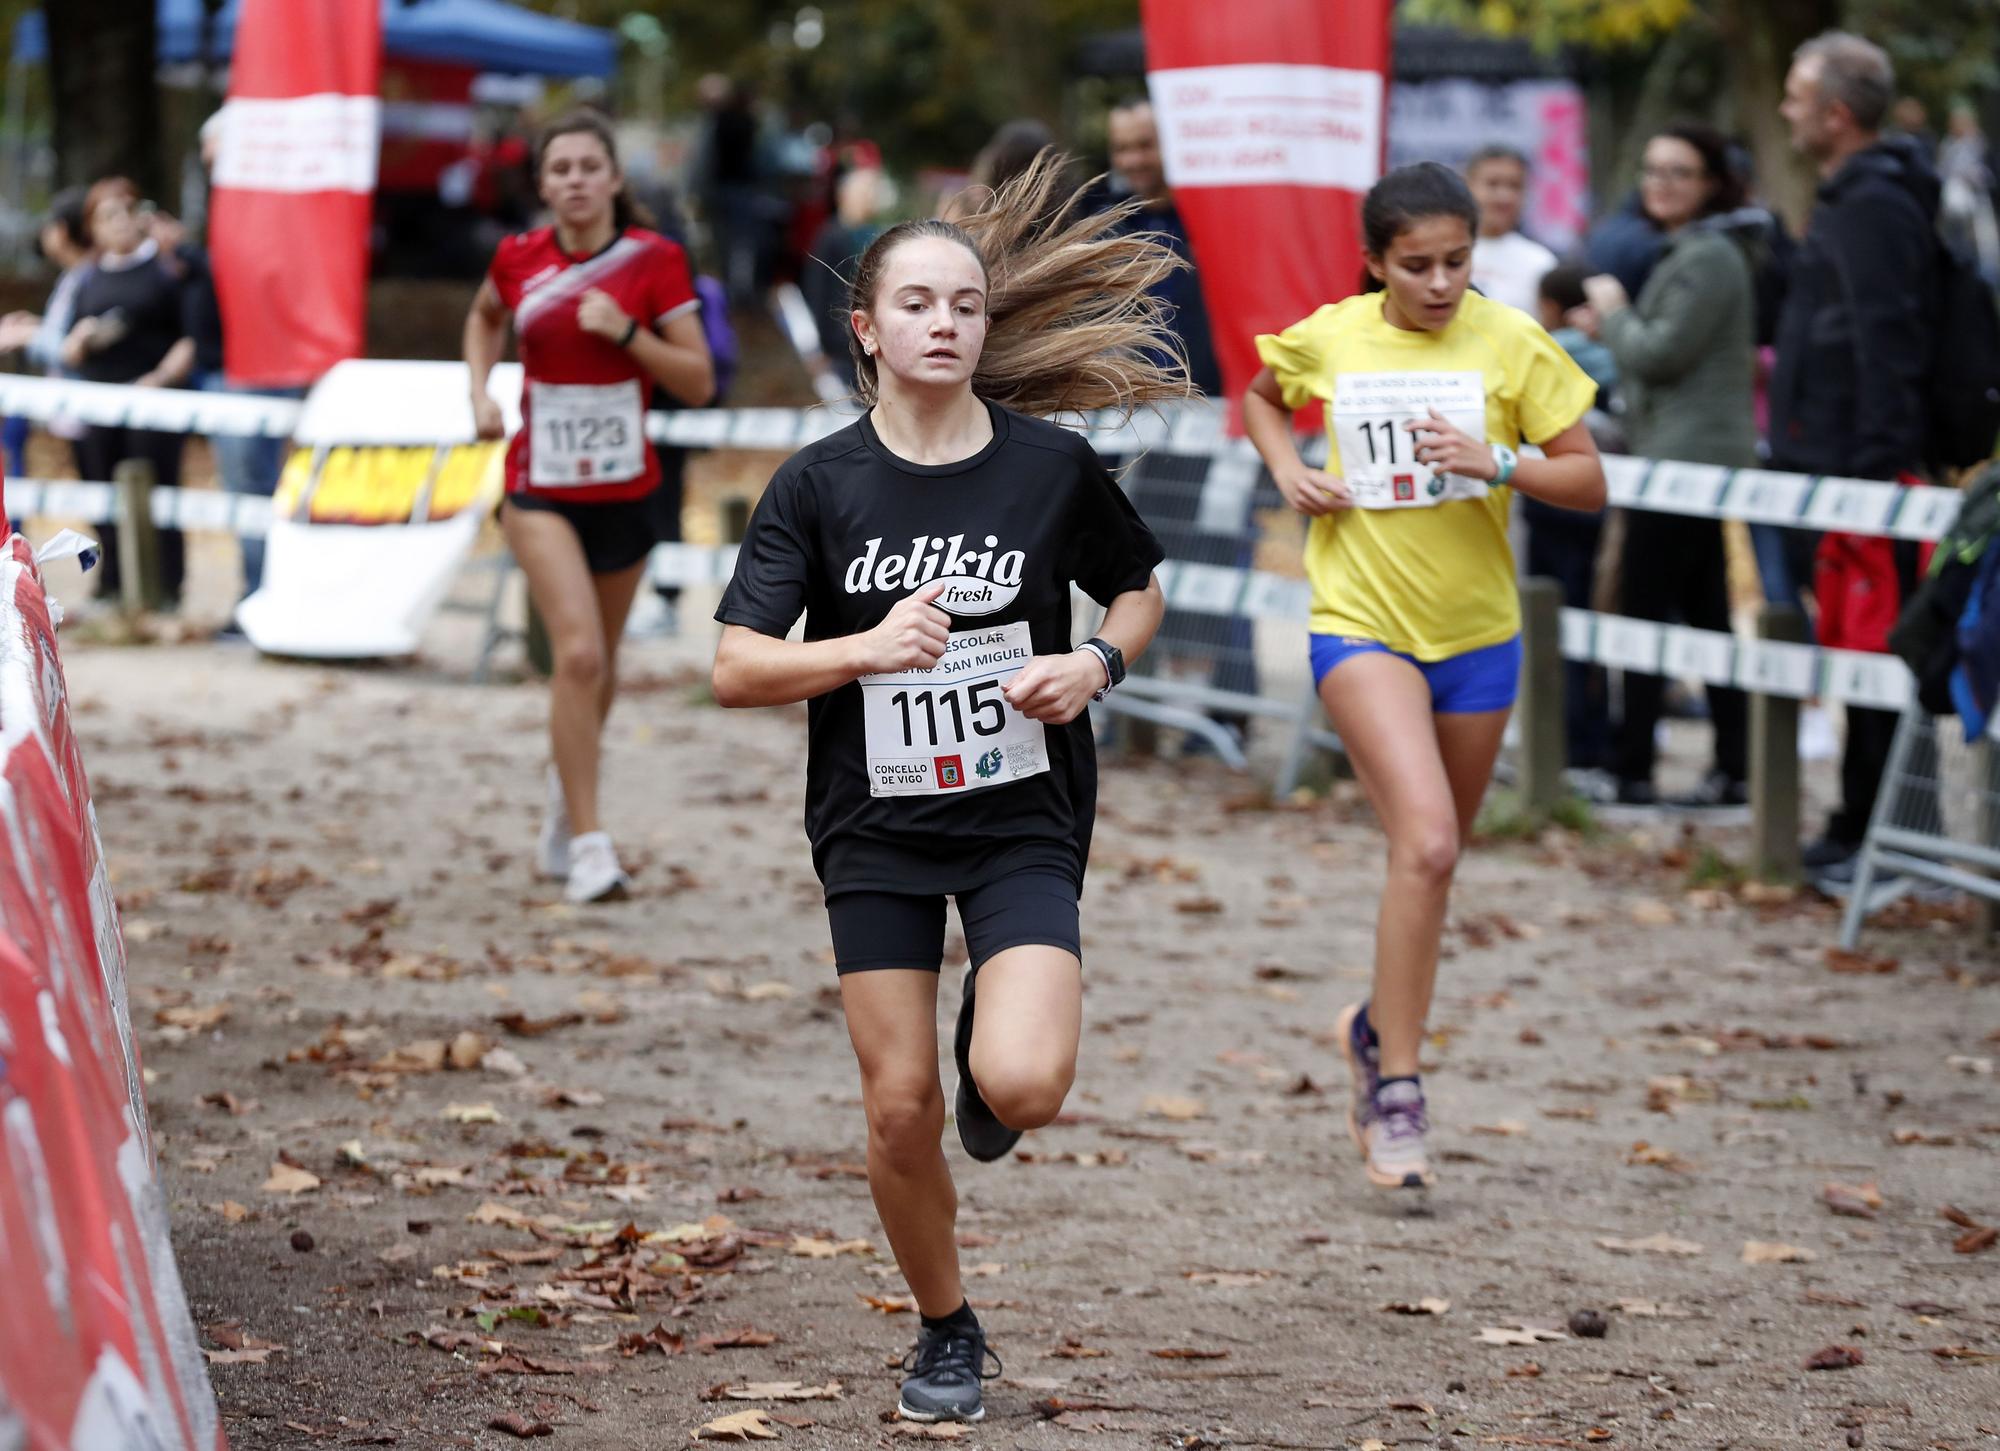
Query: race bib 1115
x: 950, y: 728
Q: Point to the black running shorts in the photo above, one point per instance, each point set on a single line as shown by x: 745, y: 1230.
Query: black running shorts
x: 893, y: 929
x: 614, y: 536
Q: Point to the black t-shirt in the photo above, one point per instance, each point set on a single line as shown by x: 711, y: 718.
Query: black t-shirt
x: 844, y: 531
x: 143, y: 303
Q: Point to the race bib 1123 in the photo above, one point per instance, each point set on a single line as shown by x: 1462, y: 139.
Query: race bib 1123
x: 1372, y: 413
x: 585, y: 434
x: 950, y: 728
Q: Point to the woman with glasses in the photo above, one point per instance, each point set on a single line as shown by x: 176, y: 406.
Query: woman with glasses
x: 1686, y: 360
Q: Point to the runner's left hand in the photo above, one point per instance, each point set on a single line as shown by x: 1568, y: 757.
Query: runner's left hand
x: 1054, y: 689
x: 1451, y: 451
x: 597, y: 313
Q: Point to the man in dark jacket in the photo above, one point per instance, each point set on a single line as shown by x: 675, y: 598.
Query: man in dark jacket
x: 1854, y: 351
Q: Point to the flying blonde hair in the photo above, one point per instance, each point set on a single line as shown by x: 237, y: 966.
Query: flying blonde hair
x: 1073, y: 323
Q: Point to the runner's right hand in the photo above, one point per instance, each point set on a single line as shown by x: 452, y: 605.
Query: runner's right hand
x: 911, y: 636
x: 487, y: 421
x: 1313, y: 492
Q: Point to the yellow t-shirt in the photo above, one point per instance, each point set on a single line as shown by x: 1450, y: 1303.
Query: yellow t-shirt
x: 1429, y: 582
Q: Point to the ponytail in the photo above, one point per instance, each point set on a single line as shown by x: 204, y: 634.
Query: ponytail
x: 626, y: 209
x: 1073, y: 323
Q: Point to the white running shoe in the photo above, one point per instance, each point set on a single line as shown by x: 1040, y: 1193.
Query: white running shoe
x: 552, y: 846
x: 594, y: 873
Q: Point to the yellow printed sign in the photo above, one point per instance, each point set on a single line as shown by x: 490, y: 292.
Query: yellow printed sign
x: 389, y: 485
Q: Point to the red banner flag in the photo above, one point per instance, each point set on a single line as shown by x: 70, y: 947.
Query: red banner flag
x: 294, y: 177
x: 1271, y: 123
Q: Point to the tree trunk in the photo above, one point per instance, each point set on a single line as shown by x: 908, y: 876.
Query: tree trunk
x: 1757, y: 45
x: 104, y: 91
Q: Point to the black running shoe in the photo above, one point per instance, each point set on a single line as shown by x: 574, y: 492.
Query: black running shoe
x: 945, y: 1371
x: 984, y: 1136
x: 1717, y: 788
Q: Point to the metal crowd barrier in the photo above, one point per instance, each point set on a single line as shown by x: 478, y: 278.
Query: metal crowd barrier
x: 1232, y: 651
x: 1937, y: 819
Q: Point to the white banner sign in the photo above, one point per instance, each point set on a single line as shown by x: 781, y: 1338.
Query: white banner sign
x: 1265, y: 125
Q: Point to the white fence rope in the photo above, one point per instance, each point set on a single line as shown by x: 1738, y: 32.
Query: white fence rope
x: 1856, y: 506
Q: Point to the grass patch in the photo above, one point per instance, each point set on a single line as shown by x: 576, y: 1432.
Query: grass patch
x: 1710, y: 868
x: 1505, y: 817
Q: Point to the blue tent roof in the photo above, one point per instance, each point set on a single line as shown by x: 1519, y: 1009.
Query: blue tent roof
x: 490, y: 34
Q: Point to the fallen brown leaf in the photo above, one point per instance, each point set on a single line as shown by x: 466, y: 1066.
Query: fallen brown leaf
x: 1074, y: 1349
x: 807, y: 1247
x: 1518, y: 1335
x: 744, y: 1339
x: 1767, y: 1252
x: 1180, y: 1110
x: 1227, y: 1279
x: 193, y: 1020
x: 1834, y: 1357
x: 523, y: 1026
x: 289, y: 1179
x: 1976, y: 1241
x: 1658, y: 1244
x: 776, y: 1390
x: 659, y: 1338
x: 1429, y: 1305
x: 934, y: 1431
x: 517, y: 1425
x: 1855, y: 1201
x: 743, y: 1426
x: 1659, y: 1156
x: 1966, y: 1353
x: 1189, y: 1353
x: 238, y: 1357
x: 1839, y: 959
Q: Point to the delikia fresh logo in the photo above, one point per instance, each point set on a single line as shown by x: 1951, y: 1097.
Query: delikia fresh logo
x: 988, y: 765
x: 950, y: 771
x: 976, y: 581
x: 1437, y: 486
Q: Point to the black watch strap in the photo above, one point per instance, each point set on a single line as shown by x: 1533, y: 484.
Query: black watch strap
x: 1114, y: 658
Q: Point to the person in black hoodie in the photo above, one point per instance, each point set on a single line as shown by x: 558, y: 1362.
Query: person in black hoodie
x: 1854, y: 350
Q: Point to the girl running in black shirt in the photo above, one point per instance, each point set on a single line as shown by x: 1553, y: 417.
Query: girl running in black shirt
x: 931, y: 547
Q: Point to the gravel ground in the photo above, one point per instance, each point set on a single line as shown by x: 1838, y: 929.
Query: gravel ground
x: 442, y: 1150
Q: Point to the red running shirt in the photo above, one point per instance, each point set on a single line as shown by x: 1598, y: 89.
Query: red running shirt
x: 583, y: 406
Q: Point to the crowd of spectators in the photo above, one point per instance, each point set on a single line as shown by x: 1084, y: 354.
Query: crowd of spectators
x: 1715, y: 335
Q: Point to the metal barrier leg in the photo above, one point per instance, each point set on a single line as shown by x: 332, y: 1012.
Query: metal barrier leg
x: 1301, y: 743
x: 492, y: 633
x: 1900, y: 749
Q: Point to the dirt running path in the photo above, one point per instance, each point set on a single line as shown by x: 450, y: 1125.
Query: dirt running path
x: 325, y: 884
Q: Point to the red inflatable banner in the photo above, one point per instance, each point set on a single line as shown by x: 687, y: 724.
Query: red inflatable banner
x: 294, y: 177
x: 97, y: 1349
x: 1271, y: 117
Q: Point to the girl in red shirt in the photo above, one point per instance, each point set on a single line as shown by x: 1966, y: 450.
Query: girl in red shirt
x: 603, y: 310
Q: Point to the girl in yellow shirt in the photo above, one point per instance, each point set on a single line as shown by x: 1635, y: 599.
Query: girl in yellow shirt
x: 1428, y: 390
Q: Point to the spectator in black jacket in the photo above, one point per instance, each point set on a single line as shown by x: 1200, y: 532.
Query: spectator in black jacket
x: 1854, y: 346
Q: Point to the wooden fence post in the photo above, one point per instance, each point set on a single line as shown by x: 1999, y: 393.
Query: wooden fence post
x: 1774, y: 761
x: 141, y: 587
x: 735, y: 519
x: 1544, y: 740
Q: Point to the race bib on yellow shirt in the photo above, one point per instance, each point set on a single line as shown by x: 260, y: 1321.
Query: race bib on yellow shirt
x: 950, y: 729
x: 585, y: 434
x: 1372, y: 413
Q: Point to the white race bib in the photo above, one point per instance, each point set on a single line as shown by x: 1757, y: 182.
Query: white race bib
x: 949, y: 728
x: 585, y: 434
x: 1371, y: 417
